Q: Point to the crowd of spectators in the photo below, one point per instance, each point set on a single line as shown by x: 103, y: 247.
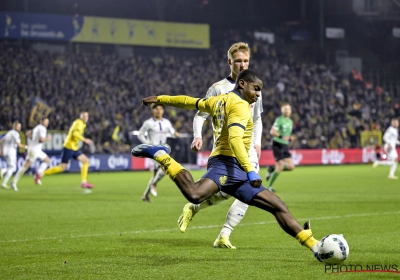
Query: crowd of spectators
x: 330, y: 108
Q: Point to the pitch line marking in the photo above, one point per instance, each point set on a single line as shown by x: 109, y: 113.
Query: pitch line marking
x: 192, y: 228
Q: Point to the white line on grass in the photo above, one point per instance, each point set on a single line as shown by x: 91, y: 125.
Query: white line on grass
x: 192, y: 228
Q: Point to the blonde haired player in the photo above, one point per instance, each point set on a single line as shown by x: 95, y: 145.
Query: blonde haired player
x: 11, y: 141
x: 238, y: 60
x: 39, y: 136
x: 71, y: 150
x: 391, y: 139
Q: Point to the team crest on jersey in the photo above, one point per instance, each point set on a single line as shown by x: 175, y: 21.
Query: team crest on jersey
x: 222, y: 180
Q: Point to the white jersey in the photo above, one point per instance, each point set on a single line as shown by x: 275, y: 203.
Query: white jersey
x: 11, y: 141
x: 40, y: 131
x: 157, y: 131
x: 391, y: 136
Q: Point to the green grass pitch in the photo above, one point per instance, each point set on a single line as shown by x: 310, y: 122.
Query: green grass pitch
x: 55, y: 231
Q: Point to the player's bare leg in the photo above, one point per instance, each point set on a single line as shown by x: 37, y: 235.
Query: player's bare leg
x: 84, y: 172
x: 269, y: 202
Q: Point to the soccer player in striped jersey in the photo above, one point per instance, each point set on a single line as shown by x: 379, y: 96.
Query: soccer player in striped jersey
x: 391, y: 139
x: 157, y: 129
x: 11, y: 141
x: 238, y: 60
x: 229, y: 168
x: 71, y: 150
x: 39, y: 136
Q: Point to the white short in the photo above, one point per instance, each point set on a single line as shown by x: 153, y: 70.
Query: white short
x: 11, y: 159
x: 391, y: 153
x: 33, y: 155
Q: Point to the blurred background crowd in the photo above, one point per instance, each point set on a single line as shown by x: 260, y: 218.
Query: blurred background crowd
x: 330, y: 108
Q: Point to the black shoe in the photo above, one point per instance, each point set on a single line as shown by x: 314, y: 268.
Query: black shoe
x: 146, y: 198
x: 271, y: 169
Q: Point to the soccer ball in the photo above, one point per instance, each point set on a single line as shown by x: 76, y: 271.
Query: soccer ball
x: 333, y: 249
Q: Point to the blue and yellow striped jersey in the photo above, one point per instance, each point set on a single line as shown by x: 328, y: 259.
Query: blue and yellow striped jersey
x: 231, y: 119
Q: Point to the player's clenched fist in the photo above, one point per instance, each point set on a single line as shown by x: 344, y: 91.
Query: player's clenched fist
x: 149, y: 100
x: 196, y: 144
x: 255, y: 179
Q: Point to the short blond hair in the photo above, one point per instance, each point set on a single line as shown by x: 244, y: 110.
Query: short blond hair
x: 238, y: 47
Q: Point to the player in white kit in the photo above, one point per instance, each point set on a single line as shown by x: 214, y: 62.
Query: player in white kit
x: 39, y: 136
x: 11, y: 141
x: 391, y: 139
x: 158, y: 129
x: 238, y: 60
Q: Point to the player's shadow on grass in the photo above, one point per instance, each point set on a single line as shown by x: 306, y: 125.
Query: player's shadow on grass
x: 174, y: 242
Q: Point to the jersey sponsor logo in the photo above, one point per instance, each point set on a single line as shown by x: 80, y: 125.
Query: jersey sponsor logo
x: 165, y: 163
x: 218, y: 120
x: 117, y: 161
x: 222, y: 180
x: 331, y: 156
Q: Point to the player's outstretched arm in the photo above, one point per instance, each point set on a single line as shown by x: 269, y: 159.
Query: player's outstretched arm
x: 179, y: 101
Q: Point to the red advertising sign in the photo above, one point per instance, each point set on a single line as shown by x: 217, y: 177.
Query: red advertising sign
x: 315, y: 156
x: 300, y: 157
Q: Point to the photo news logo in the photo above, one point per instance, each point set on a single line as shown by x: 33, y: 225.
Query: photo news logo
x: 362, y: 268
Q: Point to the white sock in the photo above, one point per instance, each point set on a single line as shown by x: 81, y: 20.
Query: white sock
x: 234, y: 217
x: 8, y: 175
x: 393, y: 169
x: 314, y: 248
x: 214, y: 200
x: 159, y: 175
x: 147, y: 190
x: 43, y: 166
x: 19, y: 174
x: 385, y: 162
x: 159, y: 153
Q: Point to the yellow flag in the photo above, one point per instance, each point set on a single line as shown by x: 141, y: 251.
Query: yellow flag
x: 115, y: 135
